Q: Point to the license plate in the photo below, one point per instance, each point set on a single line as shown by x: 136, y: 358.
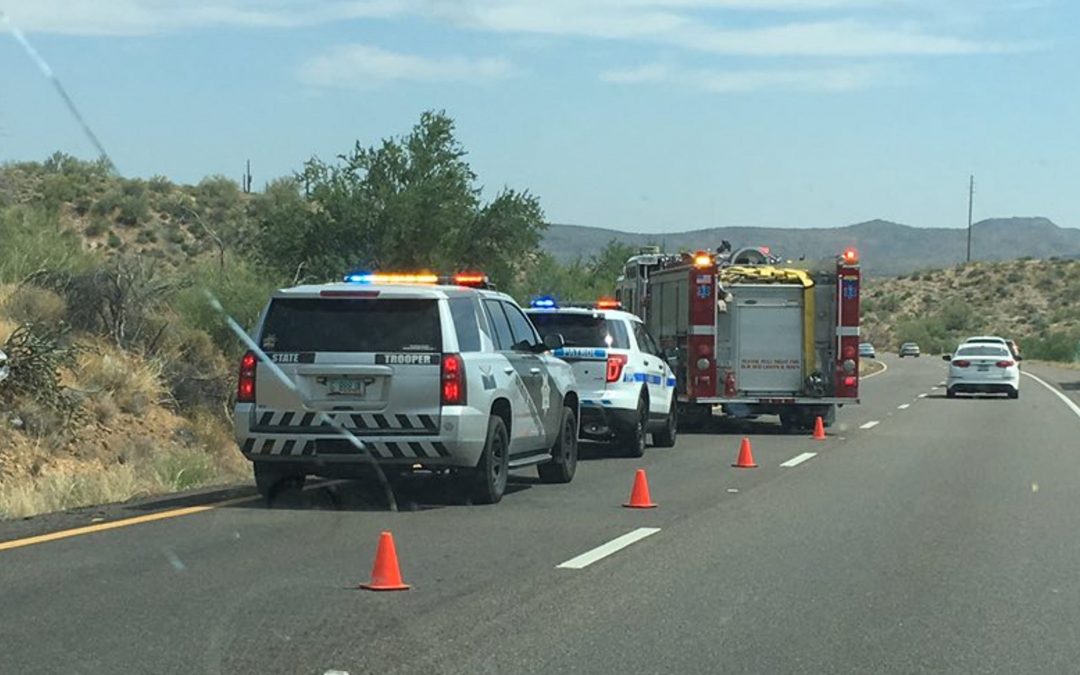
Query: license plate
x: 350, y: 386
x: 983, y: 369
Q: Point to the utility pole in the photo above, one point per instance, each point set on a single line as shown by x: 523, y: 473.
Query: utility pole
x: 971, y: 199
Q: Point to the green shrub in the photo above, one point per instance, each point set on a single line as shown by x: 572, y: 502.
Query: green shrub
x: 146, y: 237
x: 134, y: 210
x: 1054, y: 346
x: 242, y: 289
x: 175, y: 235
x: 1014, y: 277
x: 114, y: 240
x: 33, y: 241
x: 96, y: 228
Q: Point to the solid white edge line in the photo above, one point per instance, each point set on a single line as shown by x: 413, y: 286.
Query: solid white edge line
x: 884, y: 367
x: 1068, y: 401
x: 870, y: 425
x: 604, y: 550
x: 903, y: 406
x: 799, y: 459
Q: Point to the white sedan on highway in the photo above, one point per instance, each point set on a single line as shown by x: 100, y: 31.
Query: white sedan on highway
x: 982, y: 368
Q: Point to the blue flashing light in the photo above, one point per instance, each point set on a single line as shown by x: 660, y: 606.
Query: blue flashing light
x: 544, y: 302
x: 359, y: 278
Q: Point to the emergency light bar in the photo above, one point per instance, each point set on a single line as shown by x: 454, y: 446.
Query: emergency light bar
x: 608, y: 303
x: 471, y: 279
x: 544, y: 302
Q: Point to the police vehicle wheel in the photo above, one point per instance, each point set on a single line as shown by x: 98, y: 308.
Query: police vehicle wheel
x: 1014, y: 393
x: 490, y: 475
x: 563, y: 462
x: 665, y: 438
x: 633, y: 440
x: 950, y: 393
x: 272, y: 480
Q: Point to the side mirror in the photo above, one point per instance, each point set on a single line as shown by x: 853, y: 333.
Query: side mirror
x: 946, y: 357
x: 554, y: 341
x: 1019, y: 358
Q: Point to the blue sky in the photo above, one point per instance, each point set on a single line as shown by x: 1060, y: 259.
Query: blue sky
x: 645, y: 115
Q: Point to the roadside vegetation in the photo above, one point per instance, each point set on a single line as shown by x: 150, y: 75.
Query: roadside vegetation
x: 1035, y: 302
x: 122, y: 374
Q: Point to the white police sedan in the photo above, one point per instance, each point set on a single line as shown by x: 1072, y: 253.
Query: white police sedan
x: 626, y: 386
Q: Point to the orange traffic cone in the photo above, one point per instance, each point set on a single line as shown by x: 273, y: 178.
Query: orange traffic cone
x: 385, y: 575
x: 639, y: 496
x: 819, y: 429
x: 746, y: 457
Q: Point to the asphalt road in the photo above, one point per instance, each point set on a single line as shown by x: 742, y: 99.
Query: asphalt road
x: 941, y: 539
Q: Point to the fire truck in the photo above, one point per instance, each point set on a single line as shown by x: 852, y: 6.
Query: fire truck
x: 750, y: 333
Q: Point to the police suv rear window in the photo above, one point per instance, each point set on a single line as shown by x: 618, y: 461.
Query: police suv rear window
x: 352, y: 325
x: 582, y: 330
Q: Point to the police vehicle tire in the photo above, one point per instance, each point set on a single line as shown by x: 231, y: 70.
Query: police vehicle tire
x: 950, y: 393
x: 665, y: 438
x: 1014, y: 393
x: 271, y: 480
x: 564, y: 453
x: 632, y: 441
x: 489, y: 477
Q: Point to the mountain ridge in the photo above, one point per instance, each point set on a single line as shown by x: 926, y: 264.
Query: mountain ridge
x: 887, y: 248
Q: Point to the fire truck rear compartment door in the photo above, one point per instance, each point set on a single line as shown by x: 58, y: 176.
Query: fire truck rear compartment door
x: 768, y: 338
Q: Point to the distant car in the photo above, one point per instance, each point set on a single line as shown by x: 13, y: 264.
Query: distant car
x: 982, y: 368
x: 866, y: 350
x: 1015, y: 349
x: 909, y: 349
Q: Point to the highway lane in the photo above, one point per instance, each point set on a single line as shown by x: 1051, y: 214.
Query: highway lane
x: 752, y: 567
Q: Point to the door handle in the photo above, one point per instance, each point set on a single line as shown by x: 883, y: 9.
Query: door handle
x: 534, y: 371
x: 509, y: 370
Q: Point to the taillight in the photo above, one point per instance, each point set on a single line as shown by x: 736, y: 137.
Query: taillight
x: 850, y: 381
x: 453, y: 380
x: 245, y: 384
x: 961, y: 363
x: 729, y: 384
x: 615, y: 363
x: 1006, y: 364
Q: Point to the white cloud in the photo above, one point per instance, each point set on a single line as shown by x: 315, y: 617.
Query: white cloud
x: 143, y: 17
x: 831, y: 79
x: 362, y: 66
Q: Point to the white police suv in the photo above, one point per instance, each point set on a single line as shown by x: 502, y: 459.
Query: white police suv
x: 420, y: 370
x: 626, y: 386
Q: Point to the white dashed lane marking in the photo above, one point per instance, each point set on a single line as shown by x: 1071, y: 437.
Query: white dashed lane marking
x: 870, y: 425
x: 903, y: 406
x: 799, y: 459
x: 604, y: 550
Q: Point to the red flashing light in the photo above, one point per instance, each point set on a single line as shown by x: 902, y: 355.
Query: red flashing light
x: 615, y: 363
x: 702, y: 259
x: 453, y: 380
x: 245, y: 385
x: 470, y: 279
x: 850, y: 381
x: 851, y: 256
